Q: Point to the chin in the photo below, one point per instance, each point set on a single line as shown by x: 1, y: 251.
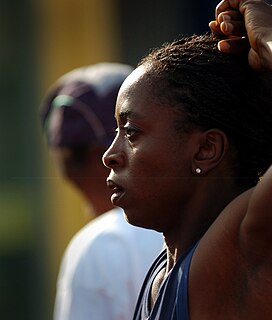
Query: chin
x: 134, y: 220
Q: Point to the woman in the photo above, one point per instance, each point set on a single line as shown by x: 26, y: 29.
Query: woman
x: 194, y: 138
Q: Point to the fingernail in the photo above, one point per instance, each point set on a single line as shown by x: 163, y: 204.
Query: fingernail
x: 213, y: 24
x: 223, y: 46
x: 227, y: 27
x: 223, y: 17
x: 226, y: 17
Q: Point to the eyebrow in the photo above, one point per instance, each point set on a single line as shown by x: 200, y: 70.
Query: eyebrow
x: 129, y: 114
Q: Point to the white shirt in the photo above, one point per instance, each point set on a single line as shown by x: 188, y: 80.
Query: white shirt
x: 103, y: 269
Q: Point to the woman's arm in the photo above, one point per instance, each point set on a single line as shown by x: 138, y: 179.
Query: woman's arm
x: 247, y: 25
x: 256, y: 228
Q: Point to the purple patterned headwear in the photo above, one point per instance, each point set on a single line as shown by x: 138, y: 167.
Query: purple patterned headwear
x: 79, y: 108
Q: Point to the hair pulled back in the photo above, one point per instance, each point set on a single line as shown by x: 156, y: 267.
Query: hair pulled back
x: 217, y: 90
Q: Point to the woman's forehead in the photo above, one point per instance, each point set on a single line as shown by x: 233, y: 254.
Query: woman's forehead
x: 137, y: 100
x: 136, y: 86
x: 134, y: 77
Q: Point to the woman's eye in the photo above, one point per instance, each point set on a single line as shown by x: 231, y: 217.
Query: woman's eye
x: 130, y: 132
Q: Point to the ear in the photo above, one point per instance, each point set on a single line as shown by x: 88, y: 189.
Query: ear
x: 210, y: 151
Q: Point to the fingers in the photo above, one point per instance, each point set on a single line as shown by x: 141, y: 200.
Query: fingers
x: 230, y: 15
x: 235, y: 45
x: 246, y: 26
x: 228, y: 26
x: 229, y: 22
x: 243, y: 18
x: 215, y: 28
x: 226, y: 5
x: 233, y: 28
x: 238, y: 5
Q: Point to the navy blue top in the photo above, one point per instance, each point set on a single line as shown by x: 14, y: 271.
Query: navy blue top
x: 172, y: 300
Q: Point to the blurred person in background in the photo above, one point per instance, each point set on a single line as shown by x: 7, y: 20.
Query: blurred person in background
x: 105, y: 263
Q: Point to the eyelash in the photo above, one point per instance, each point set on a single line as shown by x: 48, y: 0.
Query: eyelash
x: 130, y: 131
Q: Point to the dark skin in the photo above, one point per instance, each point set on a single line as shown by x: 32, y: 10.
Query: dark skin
x: 246, y: 25
x: 231, y: 270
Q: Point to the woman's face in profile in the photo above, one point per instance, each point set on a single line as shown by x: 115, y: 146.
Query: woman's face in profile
x: 150, y: 164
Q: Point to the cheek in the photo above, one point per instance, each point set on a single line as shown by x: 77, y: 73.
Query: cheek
x: 160, y: 180
x: 151, y: 160
x: 158, y: 166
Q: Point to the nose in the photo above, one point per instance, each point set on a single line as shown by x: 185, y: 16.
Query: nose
x: 113, y: 157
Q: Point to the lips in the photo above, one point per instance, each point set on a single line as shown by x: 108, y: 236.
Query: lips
x: 118, y: 191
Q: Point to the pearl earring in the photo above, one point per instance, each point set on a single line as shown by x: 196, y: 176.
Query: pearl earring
x: 198, y: 170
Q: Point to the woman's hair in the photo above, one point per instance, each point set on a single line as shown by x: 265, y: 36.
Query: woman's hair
x: 216, y: 90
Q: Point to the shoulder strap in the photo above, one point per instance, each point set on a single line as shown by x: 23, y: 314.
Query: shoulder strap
x: 165, y: 306
x: 143, y: 298
x: 182, y: 311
